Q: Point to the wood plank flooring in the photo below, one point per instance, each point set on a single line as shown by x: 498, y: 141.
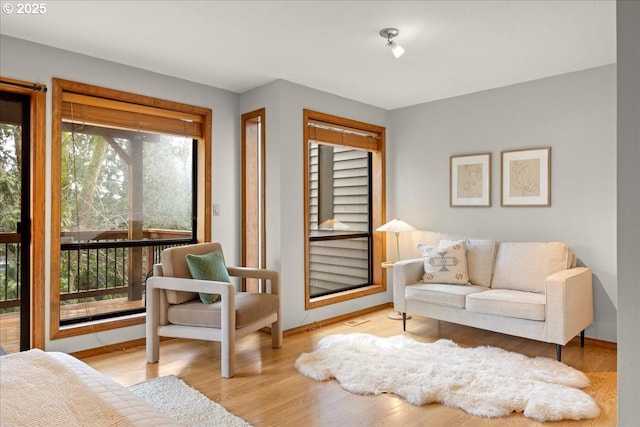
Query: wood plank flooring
x: 10, y: 322
x: 268, y: 391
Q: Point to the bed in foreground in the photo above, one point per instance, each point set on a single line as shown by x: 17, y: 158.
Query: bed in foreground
x: 55, y: 389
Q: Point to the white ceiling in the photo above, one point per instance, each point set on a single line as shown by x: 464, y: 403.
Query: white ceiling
x: 452, y: 47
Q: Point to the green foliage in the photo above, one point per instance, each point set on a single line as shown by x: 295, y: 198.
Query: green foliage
x: 10, y: 172
x: 96, y: 181
x: 94, y: 187
x: 167, y: 184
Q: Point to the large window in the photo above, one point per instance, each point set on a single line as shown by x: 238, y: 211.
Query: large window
x: 132, y: 180
x: 344, y: 193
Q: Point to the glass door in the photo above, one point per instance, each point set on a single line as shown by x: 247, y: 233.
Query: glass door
x: 15, y: 133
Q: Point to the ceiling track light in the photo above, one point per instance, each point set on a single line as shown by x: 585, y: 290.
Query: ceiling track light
x: 389, y: 34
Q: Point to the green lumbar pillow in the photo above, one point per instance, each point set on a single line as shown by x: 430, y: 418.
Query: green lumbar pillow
x: 208, y: 267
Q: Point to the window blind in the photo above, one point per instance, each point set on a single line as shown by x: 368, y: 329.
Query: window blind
x: 86, y: 109
x: 333, y: 134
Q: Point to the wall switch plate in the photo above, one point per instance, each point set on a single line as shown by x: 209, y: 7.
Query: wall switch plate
x: 216, y: 209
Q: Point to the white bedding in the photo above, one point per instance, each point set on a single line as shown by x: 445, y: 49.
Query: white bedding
x: 54, y: 389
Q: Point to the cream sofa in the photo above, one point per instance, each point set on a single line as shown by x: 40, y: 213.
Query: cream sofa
x: 527, y: 289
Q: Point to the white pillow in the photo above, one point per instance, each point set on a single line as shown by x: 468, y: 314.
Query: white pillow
x: 445, y: 264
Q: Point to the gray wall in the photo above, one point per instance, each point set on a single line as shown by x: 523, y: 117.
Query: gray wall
x: 628, y: 28
x: 23, y: 60
x: 284, y: 102
x: 575, y: 114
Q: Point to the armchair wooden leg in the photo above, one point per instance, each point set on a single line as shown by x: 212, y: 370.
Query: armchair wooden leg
x: 559, y: 352
x: 276, y: 334
x: 404, y: 321
x: 153, y: 349
x: 152, y: 323
x: 582, y: 339
x: 227, y: 358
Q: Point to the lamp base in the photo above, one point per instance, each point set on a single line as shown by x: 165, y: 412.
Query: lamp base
x: 397, y: 316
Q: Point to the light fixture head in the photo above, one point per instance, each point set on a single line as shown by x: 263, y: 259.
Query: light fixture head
x: 333, y: 224
x: 389, y: 34
x: 396, y: 49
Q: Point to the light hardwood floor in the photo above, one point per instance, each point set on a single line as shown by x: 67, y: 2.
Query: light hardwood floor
x: 268, y: 391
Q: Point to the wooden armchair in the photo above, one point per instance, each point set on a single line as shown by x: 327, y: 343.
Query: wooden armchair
x: 174, y: 308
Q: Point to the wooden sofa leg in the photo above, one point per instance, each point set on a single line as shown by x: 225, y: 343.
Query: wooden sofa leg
x: 404, y: 321
x: 559, y: 352
x: 582, y: 339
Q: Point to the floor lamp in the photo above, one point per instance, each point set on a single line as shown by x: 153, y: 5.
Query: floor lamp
x: 395, y: 226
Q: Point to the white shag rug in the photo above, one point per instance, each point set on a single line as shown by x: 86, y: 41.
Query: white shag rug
x: 484, y: 381
x: 185, y: 404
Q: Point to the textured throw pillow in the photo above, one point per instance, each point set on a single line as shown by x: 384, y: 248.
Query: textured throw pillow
x: 445, y: 263
x: 208, y: 267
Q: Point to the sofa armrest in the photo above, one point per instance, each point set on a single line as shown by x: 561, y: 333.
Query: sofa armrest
x: 569, y: 303
x: 406, y: 272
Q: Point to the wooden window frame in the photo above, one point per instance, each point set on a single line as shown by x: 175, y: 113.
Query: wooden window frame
x: 376, y: 146
x: 251, y: 155
x: 64, y: 92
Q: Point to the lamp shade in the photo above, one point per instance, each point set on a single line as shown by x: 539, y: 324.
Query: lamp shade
x: 396, y: 226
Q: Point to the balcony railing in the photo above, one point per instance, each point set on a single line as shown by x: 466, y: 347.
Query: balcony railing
x: 9, y: 271
x: 93, y: 265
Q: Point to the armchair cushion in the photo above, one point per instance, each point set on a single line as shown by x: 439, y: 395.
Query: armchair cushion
x: 250, y: 307
x: 208, y: 267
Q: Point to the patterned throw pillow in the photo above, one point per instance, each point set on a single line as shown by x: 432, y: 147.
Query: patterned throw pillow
x: 208, y: 267
x: 445, y: 264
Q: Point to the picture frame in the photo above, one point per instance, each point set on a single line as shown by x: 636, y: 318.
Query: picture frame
x: 526, y: 177
x: 470, y: 180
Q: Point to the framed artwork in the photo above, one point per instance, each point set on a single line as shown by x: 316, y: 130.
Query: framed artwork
x: 470, y: 180
x: 526, y: 177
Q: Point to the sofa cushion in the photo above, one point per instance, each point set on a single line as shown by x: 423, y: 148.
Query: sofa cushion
x: 509, y: 303
x: 524, y: 266
x: 481, y: 255
x: 442, y: 294
x: 249, y: 308
x: 445, y: 264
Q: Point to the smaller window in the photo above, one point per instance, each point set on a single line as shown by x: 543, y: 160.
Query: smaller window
x: 344, y: 193
x: 253, y: 195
